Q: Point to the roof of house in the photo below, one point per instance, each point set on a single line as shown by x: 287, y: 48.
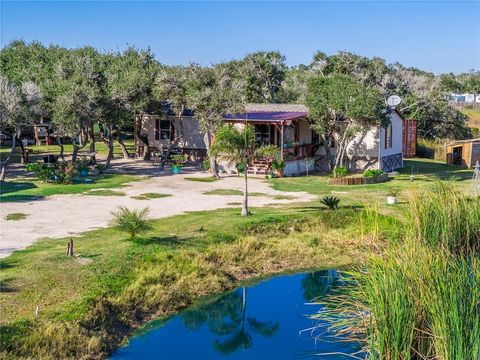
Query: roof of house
x: 466, y: 141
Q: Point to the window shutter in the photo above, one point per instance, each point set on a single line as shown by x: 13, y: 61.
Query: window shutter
x: 157, y: 129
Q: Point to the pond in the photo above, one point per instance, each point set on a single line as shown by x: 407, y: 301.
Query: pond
x: 261, y: 321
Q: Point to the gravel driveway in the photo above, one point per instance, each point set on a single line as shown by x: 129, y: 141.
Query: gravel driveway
x: 69, y: 215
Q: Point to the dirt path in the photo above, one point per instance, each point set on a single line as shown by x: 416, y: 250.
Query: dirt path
x: 65, y: 215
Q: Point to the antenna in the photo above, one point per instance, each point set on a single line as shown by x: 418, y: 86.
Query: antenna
x: 393, y: 101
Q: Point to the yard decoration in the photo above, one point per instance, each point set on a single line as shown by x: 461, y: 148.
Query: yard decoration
x: 392, y: 195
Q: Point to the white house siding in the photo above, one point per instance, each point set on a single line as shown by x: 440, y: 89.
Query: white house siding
x: 392, y: 157
x: 362, y: 152
x: 192, y: 139
x: 304, y: 132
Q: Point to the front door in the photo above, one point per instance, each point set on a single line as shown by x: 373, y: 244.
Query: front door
x: 262, y: 134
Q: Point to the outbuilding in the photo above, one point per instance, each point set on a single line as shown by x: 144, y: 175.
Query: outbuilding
x: 464, y: 152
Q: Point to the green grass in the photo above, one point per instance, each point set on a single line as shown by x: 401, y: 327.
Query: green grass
x: 420, y: 298
x: 148, y: 196
x: 180, y: 259
x: 473, y: 117
x: 15, y: 216
x: 283, y: 197
x: 40, y: 151
x: 203, y: 179
x: 26, y: 190
x: 104, y: 192
x: 232, y: 192
x: 425, y: 173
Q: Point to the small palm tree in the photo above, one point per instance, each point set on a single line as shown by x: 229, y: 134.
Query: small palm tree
x: 133, y: 222
x: 331, y: 202
x: 237, y: 144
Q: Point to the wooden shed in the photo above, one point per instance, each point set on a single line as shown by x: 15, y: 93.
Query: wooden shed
x: 409, y: 138
x: 464, y: 152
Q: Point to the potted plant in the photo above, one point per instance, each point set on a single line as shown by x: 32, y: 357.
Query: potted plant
x: 278, y: 166
x: 82, y: 167
x: 177, y: 163
x: 392, y: 196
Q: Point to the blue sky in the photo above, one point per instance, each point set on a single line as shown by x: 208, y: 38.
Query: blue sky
x: 434, y: 36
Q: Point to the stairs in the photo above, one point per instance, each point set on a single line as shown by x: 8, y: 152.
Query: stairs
x: 258, y: 168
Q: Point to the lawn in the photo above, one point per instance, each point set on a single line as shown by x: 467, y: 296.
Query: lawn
x: 40, y: 151
x: 117, y: 284
x: 25, y: 190
x: 425, y: 172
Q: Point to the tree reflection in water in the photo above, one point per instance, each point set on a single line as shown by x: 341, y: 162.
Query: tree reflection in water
x: 319, y: 283
x: 227, y: 317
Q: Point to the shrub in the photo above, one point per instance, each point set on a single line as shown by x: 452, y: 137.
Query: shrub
x: 61, y: 172
x: 340, y: 171
x: 43, y: 172
x: 178, y: 160
x: 331, y: 202
x: 133, y: 222
x: 371, y: 173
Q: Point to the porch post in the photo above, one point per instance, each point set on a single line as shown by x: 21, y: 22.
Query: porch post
x: 281, y: 140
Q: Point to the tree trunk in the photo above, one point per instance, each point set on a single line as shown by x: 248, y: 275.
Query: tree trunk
x: 212, y: 158
x: 60, y: 143
x: 125, y: 153
x: 245, y: 211
x: 75, y: 151
x: 91, y: 138
x: 5, y: 163
x: 328, y: 152
x: 110, y: 148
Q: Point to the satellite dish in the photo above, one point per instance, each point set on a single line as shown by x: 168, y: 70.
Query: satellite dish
x: 394, y: 100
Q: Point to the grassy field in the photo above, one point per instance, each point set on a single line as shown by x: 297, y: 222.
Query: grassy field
x: 473, y: 117
x: 24, y: 190
x: 91, y: 302
x: 425, y: 173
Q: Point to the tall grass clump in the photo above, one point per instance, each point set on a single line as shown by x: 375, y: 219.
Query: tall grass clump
x: 444, y: 217
x: 421, y: 298
x: 133, y: 222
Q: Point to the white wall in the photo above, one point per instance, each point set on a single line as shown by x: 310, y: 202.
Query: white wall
x: 193, y: 138
x: 397, y: 130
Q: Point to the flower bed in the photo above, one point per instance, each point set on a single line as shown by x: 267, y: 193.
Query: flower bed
x: 358, y: 180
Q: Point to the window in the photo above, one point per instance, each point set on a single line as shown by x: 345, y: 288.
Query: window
x: 388, y: 136
x: 163, y: 129
x: 262, y: 134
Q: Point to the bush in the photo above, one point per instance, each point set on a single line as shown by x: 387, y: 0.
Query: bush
x: 339, y: 171
x: 178, y: 160
x: 61, y: 172
x: 432, y: 149
x: 371, y: 173
x: 331, y: 202
x: 133, y: 222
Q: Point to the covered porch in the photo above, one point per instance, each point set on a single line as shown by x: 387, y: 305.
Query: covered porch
x: 284, y: 126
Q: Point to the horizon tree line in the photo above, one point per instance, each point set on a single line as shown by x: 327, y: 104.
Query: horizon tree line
x: 77, y: 90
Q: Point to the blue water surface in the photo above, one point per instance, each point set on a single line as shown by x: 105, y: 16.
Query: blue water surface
x: 261, y: 321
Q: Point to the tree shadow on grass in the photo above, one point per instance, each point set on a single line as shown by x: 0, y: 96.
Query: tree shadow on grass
x: 5, y: 286
x: 158, y: 240
x: 14, y: 186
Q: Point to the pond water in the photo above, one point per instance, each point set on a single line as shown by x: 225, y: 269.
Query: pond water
x: 260, y: 321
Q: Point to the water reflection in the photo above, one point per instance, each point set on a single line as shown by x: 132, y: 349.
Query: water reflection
x: 227, y: 317
x: 263, y: 321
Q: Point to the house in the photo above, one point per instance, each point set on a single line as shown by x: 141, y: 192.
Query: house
x: 464, y: 152
x: 287, y: 126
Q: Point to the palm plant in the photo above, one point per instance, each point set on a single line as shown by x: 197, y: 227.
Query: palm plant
x: 132, y: 222
x: 331, y: 202
x: 238, y: 145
